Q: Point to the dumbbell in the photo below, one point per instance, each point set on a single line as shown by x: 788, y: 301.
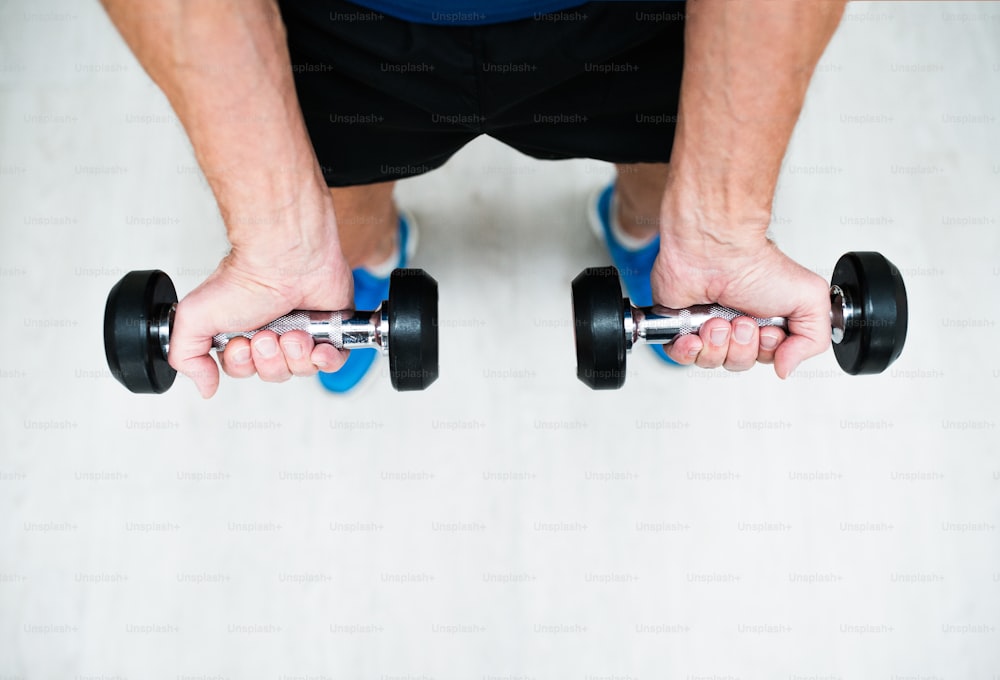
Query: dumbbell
x: 139, y: 316
x: 868, y: 316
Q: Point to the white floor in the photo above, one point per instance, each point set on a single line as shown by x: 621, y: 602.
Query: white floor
x: 508, y: 523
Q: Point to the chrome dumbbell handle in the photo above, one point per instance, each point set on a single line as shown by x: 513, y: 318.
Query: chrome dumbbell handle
x: 343, y: 329
x: 663, y: 325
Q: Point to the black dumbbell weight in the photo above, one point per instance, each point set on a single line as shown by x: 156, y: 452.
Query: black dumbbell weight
x: 139, y: 316
x: 868, y: 320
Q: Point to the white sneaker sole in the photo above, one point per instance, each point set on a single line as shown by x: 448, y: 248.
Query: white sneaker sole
x: 412, y: 236
x: 594, y: 217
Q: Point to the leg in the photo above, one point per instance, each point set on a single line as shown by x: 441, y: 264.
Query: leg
x: 368, y: 225
x: 366, y: 221
x: 639, y: 188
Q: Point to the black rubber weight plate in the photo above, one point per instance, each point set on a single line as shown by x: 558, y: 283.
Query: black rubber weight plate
x: 413, y: 329
x: 598, y: 315
x: 876, y: 335
x: 133, y: 352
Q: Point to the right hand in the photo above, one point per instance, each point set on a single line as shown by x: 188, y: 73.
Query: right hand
x: 245, y: 294
x: 762, y: 281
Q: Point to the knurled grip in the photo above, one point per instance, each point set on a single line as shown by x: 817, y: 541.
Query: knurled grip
x: 293, y: 321
x: 729, y: 314
x: 692, y: 318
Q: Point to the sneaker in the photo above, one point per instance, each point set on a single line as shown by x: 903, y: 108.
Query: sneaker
x: 634, y: 264
x: 369, y: 292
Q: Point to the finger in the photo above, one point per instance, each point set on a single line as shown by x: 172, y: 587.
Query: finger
x: 715, y: 334
x: 744, y: 344
x: 328, y: 358
x: 808, y: 329
x: 685, y: 349
x: 770, y: 338
x: 808, y: 337
x: 190, y: 357
x: 201, y: 369
x: 236, y: 358
x: 268, y: 358
x: 794, y: 350
x: 297, y: 347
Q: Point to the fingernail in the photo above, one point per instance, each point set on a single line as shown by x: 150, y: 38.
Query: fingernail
x: 267, y: 347
x: 768, y: 341
x: 293, y: 350
x: 694, y: 351
x: 719, y: 336
x: 241, y: 356
x: 743, y: 332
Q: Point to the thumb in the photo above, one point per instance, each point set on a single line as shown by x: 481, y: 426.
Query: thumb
x: 808, y: 338
x: 189, y: 356
x: 201, y: 369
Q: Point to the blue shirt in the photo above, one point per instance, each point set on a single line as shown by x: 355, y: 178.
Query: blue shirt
x: 466, y: 12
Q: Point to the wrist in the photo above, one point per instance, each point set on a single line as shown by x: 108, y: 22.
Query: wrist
x: 711, y: 236
x: 287, y: 273
x: 285, y: 230
x: 714, y: 219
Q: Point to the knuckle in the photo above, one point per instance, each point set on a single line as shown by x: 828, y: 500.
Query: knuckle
x: 738, y: 366
x: 238, y: 373
x: 708, y: 362
x: 679, y: 357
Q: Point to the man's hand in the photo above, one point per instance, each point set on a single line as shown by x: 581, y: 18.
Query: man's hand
x: 747, y: 66
x: 224, y: 67
x: 241, y: 295
x: 761, y: 281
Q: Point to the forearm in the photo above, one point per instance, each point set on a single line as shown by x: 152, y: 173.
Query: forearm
x: 225, y: 69
x: 747, y: 65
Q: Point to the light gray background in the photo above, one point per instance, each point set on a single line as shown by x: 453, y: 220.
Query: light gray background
x: 507, y: 523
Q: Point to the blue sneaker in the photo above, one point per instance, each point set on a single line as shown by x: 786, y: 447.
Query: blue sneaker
x: 369, y: 292
x: 634, y: 266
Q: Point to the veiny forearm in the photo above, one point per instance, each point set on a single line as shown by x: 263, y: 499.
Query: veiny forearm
x: 224, y: 67
x: 747, y: 65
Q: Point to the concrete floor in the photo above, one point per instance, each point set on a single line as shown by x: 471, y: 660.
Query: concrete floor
x: 507, y: 523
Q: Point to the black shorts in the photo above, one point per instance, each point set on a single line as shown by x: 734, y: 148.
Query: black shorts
x: 386, y: 99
